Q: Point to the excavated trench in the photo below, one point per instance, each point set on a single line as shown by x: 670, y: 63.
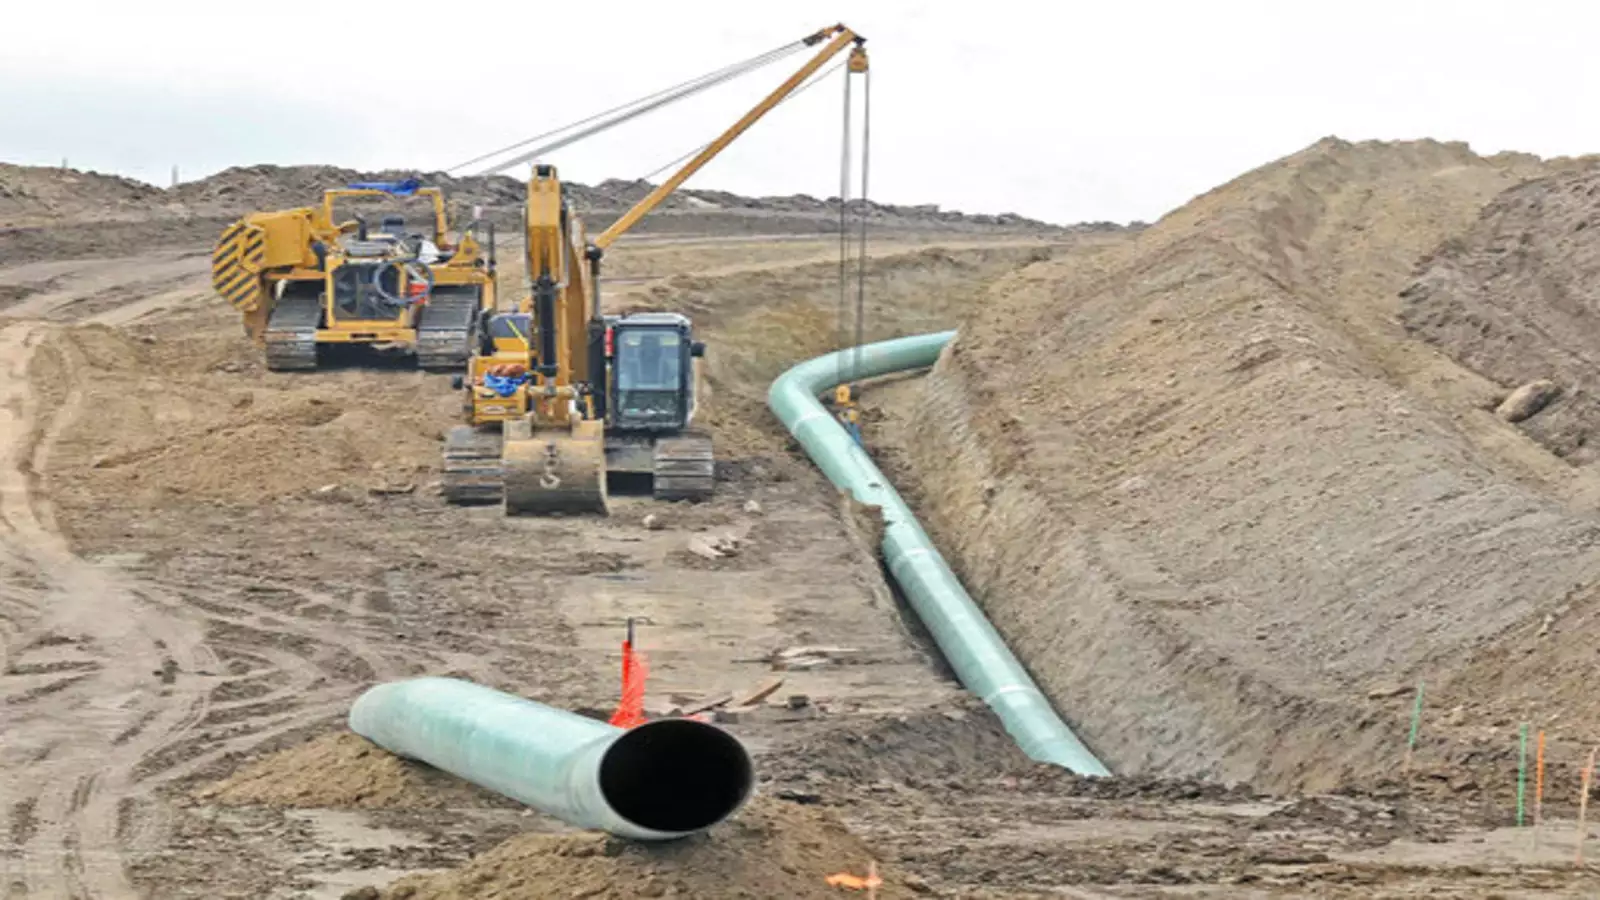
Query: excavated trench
x: 1217, y: 499
x: 1216, y: 502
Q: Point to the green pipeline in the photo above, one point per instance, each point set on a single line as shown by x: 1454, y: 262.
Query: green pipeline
x: 659, y: 781
x: 969, y: 641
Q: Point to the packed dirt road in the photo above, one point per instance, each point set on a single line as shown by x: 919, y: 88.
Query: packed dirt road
x: 81, y: 645
x: 205, y: 563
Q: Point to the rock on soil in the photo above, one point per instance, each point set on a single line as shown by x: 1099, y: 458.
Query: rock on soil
x: 1515, y: 299
x: 770, y: 849
x: 1528, y: 400
x: 1210, y: 491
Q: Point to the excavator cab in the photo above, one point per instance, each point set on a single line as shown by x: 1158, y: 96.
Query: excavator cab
x: 652, y: 372
x: 507, y: 333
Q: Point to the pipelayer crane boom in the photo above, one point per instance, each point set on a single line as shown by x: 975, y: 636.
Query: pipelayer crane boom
x: 558, y: 394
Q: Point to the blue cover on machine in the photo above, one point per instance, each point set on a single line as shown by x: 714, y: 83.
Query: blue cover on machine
x: 399, y: 188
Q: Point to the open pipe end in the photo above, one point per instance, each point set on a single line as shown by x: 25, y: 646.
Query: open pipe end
x: 676, y: 776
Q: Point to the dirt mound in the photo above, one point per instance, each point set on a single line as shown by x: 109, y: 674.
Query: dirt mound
x: 198, y: 417
x: 244, y: 188
x: 959, y: 742
x: 65, y: 214
x: 1213, y: 450
x: 769, y: 849
x: 344, y: 771
x: 270, y: 187
x: 1514, y: 299
x: 31, y: 195
x: 36, y: 193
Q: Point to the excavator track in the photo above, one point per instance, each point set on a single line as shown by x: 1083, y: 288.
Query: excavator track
x: 554, y: 470
x: 291, y: 335
x: 446, y: 327
x: 472, y: 466
x: 685, y: 468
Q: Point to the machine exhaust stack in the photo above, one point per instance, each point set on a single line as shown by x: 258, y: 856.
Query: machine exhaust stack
x: 658, y: 781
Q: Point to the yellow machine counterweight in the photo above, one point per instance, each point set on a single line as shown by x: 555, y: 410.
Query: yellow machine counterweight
x: 301, y: 281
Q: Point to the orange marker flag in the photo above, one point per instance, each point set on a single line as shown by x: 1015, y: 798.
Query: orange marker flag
x: 870, y: 884
x: 630, y: 709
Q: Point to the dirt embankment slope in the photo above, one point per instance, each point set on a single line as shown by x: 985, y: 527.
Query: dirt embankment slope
x: 1514, y: 300
x: 28, y: 192
x: 1212, y: 495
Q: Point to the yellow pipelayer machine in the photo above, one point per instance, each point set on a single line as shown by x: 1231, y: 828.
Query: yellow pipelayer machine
x: 557, y: 394
x: 301, y: 280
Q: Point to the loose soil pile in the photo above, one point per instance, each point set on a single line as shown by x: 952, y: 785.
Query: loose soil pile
x: 50, y: 213
x: 1214, y: 496
x: 1514, y: 299
x: 33, y: 195
x: 36, y: 192
x: 345, y: 771
x: 199, y: 417
x: 770, y: 849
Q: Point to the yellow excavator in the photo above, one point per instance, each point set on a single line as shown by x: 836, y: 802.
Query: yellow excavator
x: 558, y: 395
x: 302, y: 281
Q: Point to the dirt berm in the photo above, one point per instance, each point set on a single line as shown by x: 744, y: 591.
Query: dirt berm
x: 771, y: 849
x: 1214, y: 495
x: 1514, y: 299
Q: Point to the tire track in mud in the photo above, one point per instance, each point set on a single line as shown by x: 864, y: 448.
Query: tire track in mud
x: 108, y: 680
x: 295, y: 673
x: 61, y: 758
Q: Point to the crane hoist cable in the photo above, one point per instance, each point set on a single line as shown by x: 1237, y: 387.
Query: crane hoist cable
x: 861, y: 259
x: 617, y: 115
x: 850, y: 363
x: 677, y: 91
x: 844, y: 241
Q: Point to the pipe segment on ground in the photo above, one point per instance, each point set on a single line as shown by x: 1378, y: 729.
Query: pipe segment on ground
x: 658, y: 781
x: 969, y: 641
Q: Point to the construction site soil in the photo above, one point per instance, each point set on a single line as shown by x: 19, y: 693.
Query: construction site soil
x: 58, y: 213
x: 1223, y: 505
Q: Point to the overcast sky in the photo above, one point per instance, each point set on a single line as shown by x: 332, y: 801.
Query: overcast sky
x: 1060, y: 110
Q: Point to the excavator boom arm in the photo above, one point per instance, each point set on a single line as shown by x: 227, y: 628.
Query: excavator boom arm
x: 842, y: 38
x: 559, y: 299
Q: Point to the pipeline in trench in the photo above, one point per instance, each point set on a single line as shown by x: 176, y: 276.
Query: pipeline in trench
x: 975, y: 650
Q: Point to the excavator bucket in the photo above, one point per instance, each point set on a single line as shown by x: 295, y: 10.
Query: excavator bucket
x: 554, y: 470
